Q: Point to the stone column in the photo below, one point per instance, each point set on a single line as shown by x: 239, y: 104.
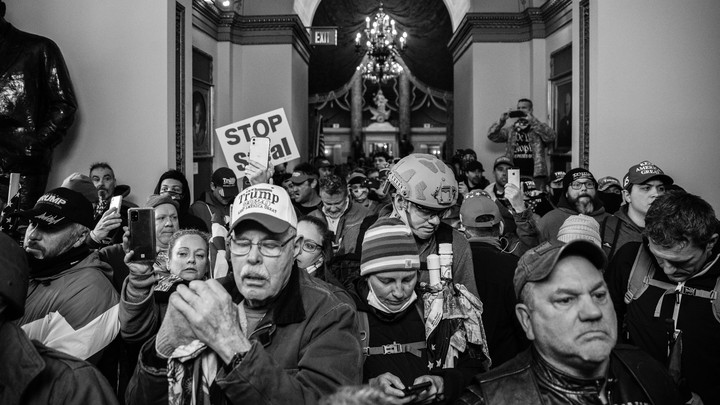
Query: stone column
x: 356, y: 109
x: 404, y: 106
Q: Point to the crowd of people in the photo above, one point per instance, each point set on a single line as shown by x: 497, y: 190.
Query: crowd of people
x: 412, y: 280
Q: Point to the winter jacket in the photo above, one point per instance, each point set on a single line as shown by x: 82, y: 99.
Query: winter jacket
x: 617, y: 230
x: 549, y: 225
x: 633, y: 378
x: 31, y: 373
x: 207, y: 207
x: 700, y: 360
x: 74, y: 311
x: 115, y: 236
x: 306, y: 346
x: 539, y: 136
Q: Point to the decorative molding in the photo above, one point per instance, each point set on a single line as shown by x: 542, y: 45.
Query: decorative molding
x: 180, y: 87
x: 532, y: 23
x: 251, y: 30
x: 584, y: 144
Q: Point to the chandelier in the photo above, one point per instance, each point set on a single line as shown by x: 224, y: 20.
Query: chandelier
x: 381, y: 48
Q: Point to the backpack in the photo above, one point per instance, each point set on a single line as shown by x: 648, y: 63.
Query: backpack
x: 641, y: 276
x: 394, y: 348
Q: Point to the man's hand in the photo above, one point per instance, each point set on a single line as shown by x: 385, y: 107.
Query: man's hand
x: 506, y: 114
x: 516, y: 197
x: 430, y: 395
x: 109, y: 221
x: 212, y: 317
x: 256, y: 174
x: 391, y: 386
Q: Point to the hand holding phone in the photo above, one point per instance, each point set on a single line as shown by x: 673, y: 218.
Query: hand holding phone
x: 514, y: 177
x: 260, y: 151
x: 417, y: 388
x: 116, y: 202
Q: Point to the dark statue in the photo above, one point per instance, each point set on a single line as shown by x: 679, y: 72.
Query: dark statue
x: 37, y: 107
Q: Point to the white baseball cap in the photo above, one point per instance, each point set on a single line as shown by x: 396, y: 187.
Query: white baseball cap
x: 267, y: 204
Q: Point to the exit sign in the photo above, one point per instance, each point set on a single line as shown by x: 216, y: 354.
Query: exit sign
x: 323, y: 36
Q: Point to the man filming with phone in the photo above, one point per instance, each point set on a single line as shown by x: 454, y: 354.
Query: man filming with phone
x: 526, y: 140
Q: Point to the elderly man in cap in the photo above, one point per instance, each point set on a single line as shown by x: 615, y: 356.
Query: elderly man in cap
x: 643, y: 183
x: 494, y: 266
x: 214, y: 205
x: 33, y: 373
x: 565, y: 309
x: 269, y: 333
x: 71, y: 305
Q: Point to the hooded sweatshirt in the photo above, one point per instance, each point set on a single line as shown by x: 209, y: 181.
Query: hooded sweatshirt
x: 549, y: 225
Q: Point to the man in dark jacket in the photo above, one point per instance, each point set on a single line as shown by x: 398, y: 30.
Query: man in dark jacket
x: 566, y: 312
x: 642, y: 184
x: 31, y: 372
x: 338, y: 209
x: 37, y: 107
x: 494, y: 269
x: 273, y: 333
x: 665, y: 288
x: 107, y: 229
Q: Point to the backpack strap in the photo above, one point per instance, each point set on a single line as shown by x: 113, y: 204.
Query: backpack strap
x: 609, y: 234
x: 364, y: 225
x: 640, y: 275
x: 364, y: 328
x: 413, y: 348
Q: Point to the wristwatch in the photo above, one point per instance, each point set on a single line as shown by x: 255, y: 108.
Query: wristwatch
x: 236, y: 359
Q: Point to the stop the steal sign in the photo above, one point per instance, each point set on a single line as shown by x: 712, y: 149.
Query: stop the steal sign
x: 235, y: 139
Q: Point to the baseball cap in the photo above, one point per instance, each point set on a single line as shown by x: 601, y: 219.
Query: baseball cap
x: 503, y: 160
x: 157, y: 200
x: 300, y: 177
x: 225, y: 178
x: 323, y: 163
x: 644, y: 171
x: 477, y: 204
x: 538, y: 263
x: 266, y: 204
x: 558, y: 177
x: 388, y: 245
x: 607, y: 182
x: 83, y: 185
x: 577, y: 174
x: 356, y: 178
x: 14, y: 275
x: 60, y: 206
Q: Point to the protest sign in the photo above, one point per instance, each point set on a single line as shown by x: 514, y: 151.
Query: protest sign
x: 235, y: 139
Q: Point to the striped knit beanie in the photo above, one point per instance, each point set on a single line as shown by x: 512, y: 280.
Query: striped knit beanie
x: 388, y: 246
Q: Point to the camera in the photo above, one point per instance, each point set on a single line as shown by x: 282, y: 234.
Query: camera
x: 371, y: 183
x: 517, y: 114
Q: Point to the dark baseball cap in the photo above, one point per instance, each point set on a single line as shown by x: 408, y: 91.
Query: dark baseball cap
x: 539, y: 262
x: 503, y: 160
x: 474, y: 165
x: 60, y: 206
x: 607, y: 182
x: 323, y: 163
x: 300, y: 177
x: 226, y: 179
x: 478, y: 205
x: 644, y: 171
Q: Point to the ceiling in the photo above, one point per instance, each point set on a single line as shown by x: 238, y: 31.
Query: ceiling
x: 427, y: 23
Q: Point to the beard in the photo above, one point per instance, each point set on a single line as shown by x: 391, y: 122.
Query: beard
x: 583, y: 203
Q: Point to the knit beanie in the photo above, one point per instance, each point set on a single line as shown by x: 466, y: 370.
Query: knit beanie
x: 576, y: 174
x: 580, y: 227
x: 388, y: 245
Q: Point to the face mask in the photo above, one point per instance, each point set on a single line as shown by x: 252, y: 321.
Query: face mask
x: 374, y: 302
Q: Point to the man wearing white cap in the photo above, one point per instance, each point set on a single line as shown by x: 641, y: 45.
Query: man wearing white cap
x: 277, y: 335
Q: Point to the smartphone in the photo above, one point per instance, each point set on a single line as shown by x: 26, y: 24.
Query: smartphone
x: 141, y: 222
x: 517, y: 114
x: 417, y: 388
x: 115, y: 202
x: 260, y: 150
x: 514, y: 177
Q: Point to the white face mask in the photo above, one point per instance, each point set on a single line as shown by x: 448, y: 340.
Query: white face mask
x: 374, y: 302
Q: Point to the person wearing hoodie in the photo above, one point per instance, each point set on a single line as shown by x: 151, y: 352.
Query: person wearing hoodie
x: 391, y: 320
x: 643, y: 183
x: 174, y: 184
x: 579, y: 197
x: 71, y: 304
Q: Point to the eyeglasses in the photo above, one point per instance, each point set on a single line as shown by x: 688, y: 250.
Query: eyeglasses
x: 577, y: 185
x: 268, y: 248
x: 428, y: 213
x: 310, y: 246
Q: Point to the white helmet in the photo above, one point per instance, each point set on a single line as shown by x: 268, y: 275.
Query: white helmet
x: 424, y: 180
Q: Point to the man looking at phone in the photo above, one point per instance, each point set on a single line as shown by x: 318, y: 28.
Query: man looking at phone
x: 103, y: 178
x: 566, y: 312
x: 276, y: 334
x: 71, y: 305
x: 338, y: 209
x: 526, y: 140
